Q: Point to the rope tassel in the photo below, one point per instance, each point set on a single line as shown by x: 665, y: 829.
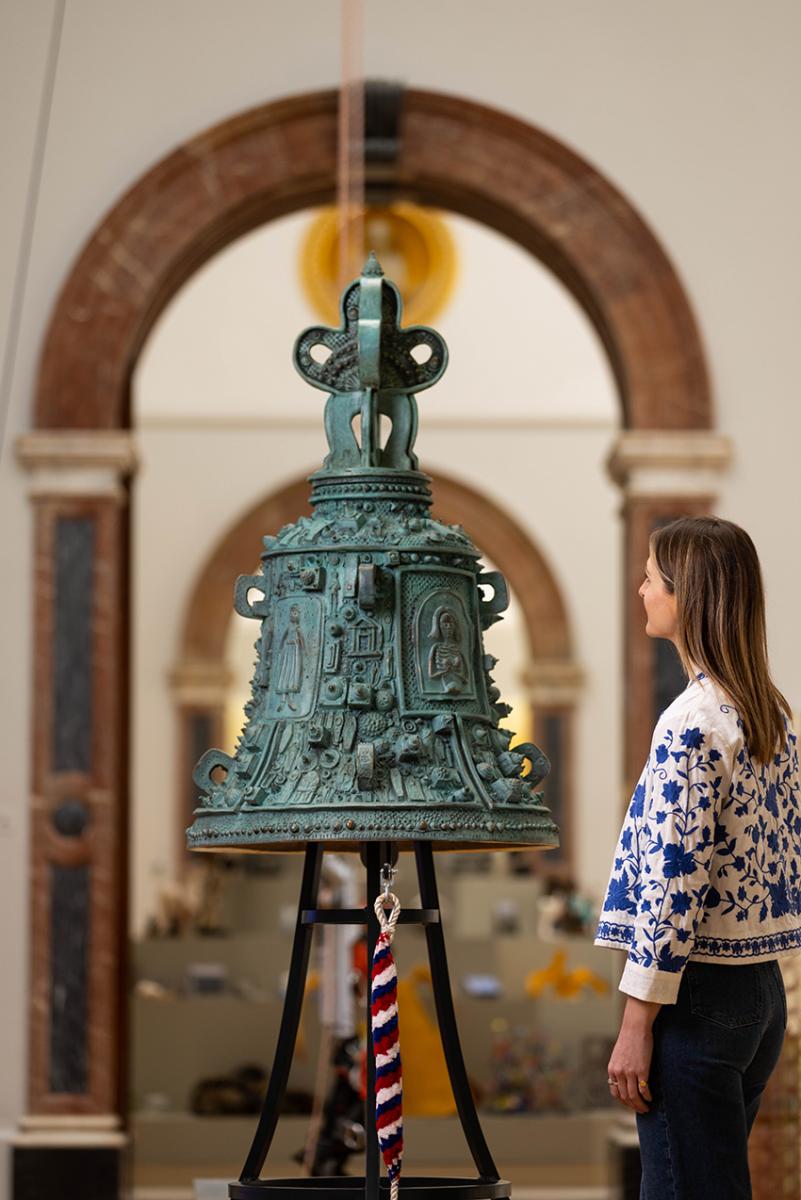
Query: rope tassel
x: 386, y: 1043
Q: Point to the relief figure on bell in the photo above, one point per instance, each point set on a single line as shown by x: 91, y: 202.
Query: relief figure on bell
x: 262, y: 677
x: 290, y: 661
x: 445, y: 660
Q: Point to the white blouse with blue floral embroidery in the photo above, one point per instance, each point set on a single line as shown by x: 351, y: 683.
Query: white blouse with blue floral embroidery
x: 708, y: 863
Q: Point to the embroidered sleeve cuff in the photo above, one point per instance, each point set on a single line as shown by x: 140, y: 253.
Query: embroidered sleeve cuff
x: 646, y: 983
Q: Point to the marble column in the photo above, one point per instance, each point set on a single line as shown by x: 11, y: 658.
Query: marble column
x: 662, y: 475
x: 553, y: 688
x: 71, y: 1140
x: 199, y: 690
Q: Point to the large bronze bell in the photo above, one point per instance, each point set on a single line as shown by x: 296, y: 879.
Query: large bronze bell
x: 373, y: 715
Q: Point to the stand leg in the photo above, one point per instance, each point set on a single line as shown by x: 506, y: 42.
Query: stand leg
x: 446, y: 1018
x: 290, y: 1018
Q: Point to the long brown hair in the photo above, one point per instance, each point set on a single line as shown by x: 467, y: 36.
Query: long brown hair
x: 711, y: 566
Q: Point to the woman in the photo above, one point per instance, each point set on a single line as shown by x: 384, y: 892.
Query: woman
x: 705, y: 892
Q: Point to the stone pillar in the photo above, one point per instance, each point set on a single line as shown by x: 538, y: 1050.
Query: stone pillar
x: 663, y: 475
x: 553, y: 687
x: 199, y: 689
x: 71, y: 1141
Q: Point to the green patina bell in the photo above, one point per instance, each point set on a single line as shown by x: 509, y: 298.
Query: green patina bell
x: 373, y: 714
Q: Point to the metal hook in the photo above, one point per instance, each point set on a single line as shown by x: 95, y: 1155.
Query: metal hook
x: 388, y: 873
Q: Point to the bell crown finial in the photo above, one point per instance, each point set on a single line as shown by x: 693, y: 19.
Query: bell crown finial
x: 371, y: 368
x: 372, y: 266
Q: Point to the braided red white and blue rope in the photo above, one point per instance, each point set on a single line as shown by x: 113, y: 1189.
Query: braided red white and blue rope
x: 386, y: 1044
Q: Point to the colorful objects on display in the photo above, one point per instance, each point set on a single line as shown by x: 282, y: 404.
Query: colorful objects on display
x: 533, y: 1073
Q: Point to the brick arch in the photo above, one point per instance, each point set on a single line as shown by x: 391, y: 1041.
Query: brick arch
x: 453, y: 153
x: 209, y: 607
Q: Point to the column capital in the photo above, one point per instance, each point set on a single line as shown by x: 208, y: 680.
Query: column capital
x: 552, y: 682
x: 78, y: 462
x: 199, y: 683
x: 71, y: 1130
x: 658, y: 462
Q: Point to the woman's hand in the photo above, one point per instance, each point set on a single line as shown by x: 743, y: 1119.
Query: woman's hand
x: 631, y: 1057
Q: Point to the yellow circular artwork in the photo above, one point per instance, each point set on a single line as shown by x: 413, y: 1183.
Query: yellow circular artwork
x: 413, y: 245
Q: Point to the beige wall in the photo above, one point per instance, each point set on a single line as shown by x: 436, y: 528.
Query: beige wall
x: 691, y: 109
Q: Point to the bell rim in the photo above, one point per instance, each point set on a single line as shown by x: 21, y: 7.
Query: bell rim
x: 404, y: 845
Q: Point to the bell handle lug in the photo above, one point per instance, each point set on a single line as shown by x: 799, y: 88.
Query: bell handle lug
x: 491, y: 609
x: 365, y: 765
x: 243, y: 585
x: 538, y: 762
x: 367, y: 586
x: 206, y: 764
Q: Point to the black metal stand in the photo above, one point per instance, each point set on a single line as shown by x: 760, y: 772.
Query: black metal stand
x: 370, y: 1186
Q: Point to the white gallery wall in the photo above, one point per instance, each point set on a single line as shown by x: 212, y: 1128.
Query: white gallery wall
x: 690, y: 109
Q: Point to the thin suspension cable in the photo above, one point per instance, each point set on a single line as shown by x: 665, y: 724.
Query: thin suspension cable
x: 8, y: 352
x: 350, y: 155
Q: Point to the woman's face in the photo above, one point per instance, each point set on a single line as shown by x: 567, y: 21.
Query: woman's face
x: 659, y: 604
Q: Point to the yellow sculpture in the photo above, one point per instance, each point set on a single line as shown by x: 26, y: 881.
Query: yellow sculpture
x: 426, y: 1087
x: 568, y: 985
x: 413, y: 244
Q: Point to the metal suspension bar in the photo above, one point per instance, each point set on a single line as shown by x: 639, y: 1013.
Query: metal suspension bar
x: 360, y: 916
x: 446, y: 1019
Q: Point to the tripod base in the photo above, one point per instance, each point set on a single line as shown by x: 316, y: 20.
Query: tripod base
x: 352, y: 1187
x: 370, y: 1186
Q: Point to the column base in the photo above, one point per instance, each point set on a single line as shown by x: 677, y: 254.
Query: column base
x: 68, y: 1158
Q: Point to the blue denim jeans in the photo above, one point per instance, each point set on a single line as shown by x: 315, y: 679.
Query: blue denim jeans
x: 714, y: 1050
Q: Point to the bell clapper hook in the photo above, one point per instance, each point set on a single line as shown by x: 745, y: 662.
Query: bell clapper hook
x: 388, y: 873
x: 387, y: 900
